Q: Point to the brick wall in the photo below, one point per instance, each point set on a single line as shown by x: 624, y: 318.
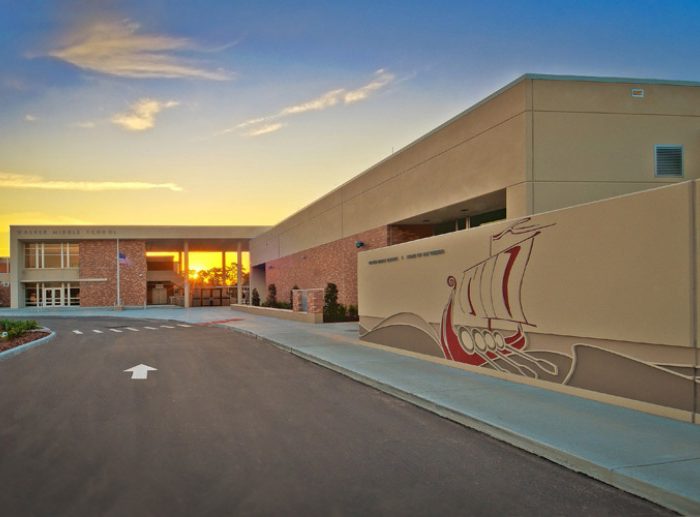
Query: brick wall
x: 399, y: 233
x: 334, y: 262
x: 98, y: 260
x: 4, y: 296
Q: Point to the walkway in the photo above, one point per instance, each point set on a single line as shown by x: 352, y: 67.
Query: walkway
x: 654, y: 457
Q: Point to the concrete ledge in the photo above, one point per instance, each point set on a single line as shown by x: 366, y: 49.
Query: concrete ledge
x: 284, y: 314
x: 23, y: 348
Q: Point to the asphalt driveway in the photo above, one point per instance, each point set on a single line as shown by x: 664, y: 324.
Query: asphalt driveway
x: 228, y: 425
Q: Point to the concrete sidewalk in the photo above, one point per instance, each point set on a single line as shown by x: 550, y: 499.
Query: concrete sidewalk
x: 654, y: 457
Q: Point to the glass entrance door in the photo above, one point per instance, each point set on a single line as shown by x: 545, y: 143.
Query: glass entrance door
x: 52, y: 297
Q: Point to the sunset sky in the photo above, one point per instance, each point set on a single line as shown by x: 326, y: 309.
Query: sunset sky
x: 165, y: 112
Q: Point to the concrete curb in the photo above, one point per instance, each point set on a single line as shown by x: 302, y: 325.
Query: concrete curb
x: 633, y: 485
x: 23, y: 348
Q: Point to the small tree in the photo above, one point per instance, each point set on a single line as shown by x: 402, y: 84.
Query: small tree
x: 255, y: 298
x: 271, y: 300
x: 331, y: 308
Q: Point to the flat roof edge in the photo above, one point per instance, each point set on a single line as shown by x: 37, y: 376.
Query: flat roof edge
x: 603, y: 79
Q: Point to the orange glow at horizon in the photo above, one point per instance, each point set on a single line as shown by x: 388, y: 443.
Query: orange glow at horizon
x: 203, y: 260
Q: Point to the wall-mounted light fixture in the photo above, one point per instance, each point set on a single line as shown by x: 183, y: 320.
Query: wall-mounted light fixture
x: 359, y: 244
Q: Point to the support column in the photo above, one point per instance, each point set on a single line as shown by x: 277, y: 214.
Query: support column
x: 118, y: 302
x: 239, y: 275
x: 186, y: 254
x: 223, y: 268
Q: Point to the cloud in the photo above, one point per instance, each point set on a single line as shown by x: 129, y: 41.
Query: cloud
x: 382, y: 79
x: 264, y: 130
x: 30, y: 118
x: 22, y: 181
x: 142, y: 114
x: 327, y: 100
x: 118, y: 48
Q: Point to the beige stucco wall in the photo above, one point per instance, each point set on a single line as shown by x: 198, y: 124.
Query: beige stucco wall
x: 593, y: 140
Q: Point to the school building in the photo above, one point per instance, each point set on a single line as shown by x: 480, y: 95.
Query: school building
x: 110, y: 266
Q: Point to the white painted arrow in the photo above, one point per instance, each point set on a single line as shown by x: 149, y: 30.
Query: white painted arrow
x: 140, y: 371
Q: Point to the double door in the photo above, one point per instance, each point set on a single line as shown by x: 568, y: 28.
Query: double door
x: 53, y: 296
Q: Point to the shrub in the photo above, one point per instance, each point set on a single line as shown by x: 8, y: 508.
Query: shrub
x: 332, y: 310
x: 271, y: 300
x: 17, y: 328
x: 255, y: 298
x: 352, y: 313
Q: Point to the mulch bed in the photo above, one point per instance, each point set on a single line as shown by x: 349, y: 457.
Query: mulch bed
x: 21, y: 340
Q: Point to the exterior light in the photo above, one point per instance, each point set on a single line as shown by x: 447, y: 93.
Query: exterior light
x: 359, y: 244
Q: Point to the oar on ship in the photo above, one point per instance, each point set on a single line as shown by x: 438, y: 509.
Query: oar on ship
x: 542, y: 364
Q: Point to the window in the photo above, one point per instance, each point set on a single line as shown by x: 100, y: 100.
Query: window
x: 487, y: 217
x: 51, y: 294
x: 668, y: 161
x: 45, y: 255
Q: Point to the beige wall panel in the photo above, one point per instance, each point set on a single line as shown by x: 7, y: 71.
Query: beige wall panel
x: 497, y: 111
x: 489, y: 163
x: 264, y: 248
x: 316, y: 209
x: 519, y: 200
x: 326, y: 227
x: 50, y: 275
x: 696, y: 258
x: 598, y: 147
x: 604, y: 97
x: 549, y: 196
x: 611, y: 270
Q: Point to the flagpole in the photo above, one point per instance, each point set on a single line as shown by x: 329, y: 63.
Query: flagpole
x: 119, y: 296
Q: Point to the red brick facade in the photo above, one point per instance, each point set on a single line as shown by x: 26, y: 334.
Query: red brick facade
x: 98, y: 259
x: 408, y: 232
x: 334, y: 262
x: 4, y: 296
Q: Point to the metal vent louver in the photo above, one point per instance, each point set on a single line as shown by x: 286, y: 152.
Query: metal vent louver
x: 669, y: 160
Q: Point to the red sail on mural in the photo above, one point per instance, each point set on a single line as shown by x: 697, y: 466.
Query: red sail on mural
x: 491, y: 290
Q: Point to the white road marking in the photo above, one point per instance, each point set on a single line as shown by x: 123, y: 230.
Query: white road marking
x: 97, y: 331
x: 115, y: 330
x: 150, y: 328
x: 167, y: 327
x: 140, y: 372
x: 183, y: 325
x: 132, y: 329
x: 77, y: 332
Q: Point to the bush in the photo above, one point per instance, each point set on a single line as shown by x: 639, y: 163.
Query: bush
x: 271, y: 300
x: 352, y: 313
x: 255, y: 298
x: 17, y: 328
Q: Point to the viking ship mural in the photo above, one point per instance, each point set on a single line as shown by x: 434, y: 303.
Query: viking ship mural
x: 485, y: 324
x: 491, y: 290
